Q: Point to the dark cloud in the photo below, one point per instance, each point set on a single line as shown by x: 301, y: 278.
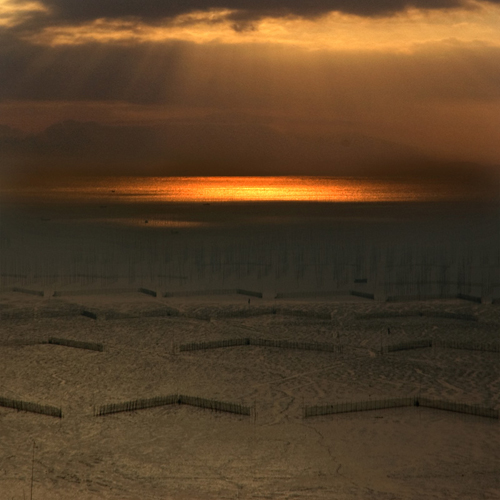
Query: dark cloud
x: 78, y: 11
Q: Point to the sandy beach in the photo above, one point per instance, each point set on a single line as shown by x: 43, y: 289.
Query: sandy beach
x: 185, y: 452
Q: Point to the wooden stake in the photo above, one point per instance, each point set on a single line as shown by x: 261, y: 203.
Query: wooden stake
x: 32, y: 470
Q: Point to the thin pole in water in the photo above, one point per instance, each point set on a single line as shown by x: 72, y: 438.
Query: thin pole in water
x: 32, y: 470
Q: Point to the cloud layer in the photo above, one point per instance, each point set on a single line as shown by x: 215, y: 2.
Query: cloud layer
x: 74, y: 11
x: 255, y: 105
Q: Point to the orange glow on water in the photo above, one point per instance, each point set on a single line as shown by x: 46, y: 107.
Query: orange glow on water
x: 231, y: 189
x: 239, y: 189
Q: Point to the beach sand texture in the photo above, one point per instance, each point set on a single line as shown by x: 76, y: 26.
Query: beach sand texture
x: 188, y: 452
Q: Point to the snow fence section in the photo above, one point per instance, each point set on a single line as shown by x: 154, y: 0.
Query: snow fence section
x: 39, y: 293
x: 17, y: 404
x: 77, y: 343
x: 94, y: 291
x: 428, y: 314
x: 139, y: 404
x: 224, y: 291
x: 470, y: 346
x: 213, y: 344
x: 382, y: 404
x: 444, y: 344
x: 413, y: 344
x: 283, y: 344
x: 310, y: 294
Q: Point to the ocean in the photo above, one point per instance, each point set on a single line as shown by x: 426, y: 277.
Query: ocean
x: 296, y: 234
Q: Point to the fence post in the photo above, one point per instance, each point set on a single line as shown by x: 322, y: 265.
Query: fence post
x: 32, y: 471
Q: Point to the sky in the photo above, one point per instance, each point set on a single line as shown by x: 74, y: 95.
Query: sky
x: 249, y: 87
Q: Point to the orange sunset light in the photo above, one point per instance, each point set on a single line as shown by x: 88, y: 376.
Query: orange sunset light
x: 334, y: 31
x: 12, y: 13
x: 239, y: 189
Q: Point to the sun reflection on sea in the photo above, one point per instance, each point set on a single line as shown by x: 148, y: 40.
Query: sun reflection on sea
x: 242, y: 189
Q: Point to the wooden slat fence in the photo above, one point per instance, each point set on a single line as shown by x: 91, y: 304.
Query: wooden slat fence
x: 89, y: 314
x: 470, y: 346
x: 452, y: 315
x: 352, y: 406
x: 139, y: 404
x: 444, y: 344
x: 428, y: 314
x: 223, y: 291
x: 439, y: 404
x: 212, y: 404
x: 365, y: 295
x: 29, y: 292
x: 289, y: 344
x: 298, y: 295
x: 250, y: 293
x: 213, y: 344
x: 76, y: 343
x: 406, y: 298
x: 412, y: 344
x: 381, y: 404
x: 31, y: 407
x: 94, y: 291
x: 283, y: 344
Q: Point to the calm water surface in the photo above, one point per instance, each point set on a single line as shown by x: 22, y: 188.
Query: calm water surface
x: 260, y: 233
x: 235, y: 189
